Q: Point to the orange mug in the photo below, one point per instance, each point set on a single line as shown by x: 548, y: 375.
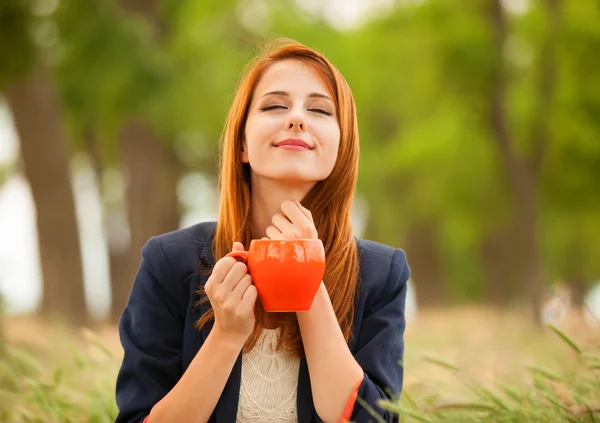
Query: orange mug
x: 287, y: 273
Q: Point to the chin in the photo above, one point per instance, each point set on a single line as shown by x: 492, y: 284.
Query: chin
x: 293, y: 176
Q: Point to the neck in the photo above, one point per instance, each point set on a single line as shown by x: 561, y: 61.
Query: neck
x: 267, y: 196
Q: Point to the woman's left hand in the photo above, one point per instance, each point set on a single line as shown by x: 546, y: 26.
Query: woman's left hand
x: 294, y: 222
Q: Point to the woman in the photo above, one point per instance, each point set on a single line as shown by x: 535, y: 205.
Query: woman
x: 289, y: 165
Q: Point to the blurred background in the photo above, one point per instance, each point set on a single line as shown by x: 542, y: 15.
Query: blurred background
x: 479, y: 124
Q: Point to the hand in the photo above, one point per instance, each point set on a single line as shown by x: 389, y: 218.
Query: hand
x: 232, y: 296
x: 294, y: 222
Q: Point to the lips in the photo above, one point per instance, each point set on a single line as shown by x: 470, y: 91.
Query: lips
x: 293, y: 142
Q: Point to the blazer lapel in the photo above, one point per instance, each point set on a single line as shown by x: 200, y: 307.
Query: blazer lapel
x: 305, y: 406
x: 226, y: 409
x: 207, y: 259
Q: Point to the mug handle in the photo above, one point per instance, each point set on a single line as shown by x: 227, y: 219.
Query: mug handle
x: 239, y: 256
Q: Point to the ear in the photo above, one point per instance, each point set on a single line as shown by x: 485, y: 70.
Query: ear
x: 245, y: 151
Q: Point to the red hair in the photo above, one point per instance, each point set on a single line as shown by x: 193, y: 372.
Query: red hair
x: 329, y: 201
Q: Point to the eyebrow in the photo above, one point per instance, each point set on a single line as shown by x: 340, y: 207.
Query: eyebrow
x: 286, y: 94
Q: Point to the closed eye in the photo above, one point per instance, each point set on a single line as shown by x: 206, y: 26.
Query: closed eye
x: 266, y: 109
x: 323, y: 112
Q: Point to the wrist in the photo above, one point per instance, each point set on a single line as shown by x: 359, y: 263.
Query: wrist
x: 321, y: 297
x: 227, y: 341
x: 319, y: 304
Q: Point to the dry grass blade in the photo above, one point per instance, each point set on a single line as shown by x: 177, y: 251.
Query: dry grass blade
x: 466, y: 406
x: 511, y: 393
x: 409, y: 398
x: 95, y: 340
x: 551, y: 398
x: 417, y: 416
x: 565, y: 338
x: 591, y: 357
x: 586, y: 410
x: 545, y: 373
x: 441, y: 363
x: 487, y: 394
x: 370, y: 410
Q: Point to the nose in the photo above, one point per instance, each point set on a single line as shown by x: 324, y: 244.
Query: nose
x: 295, y: 121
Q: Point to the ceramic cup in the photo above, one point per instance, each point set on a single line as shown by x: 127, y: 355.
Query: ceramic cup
x: 287, y: 273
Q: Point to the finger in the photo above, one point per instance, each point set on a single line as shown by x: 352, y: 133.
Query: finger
x: 237, y: 272
x: 274, y: 233
x: 237, y: 246
x: 265, y: 237
x: 304, y: 227
x: 284, y: 225
x: 248, y: 300
x: 304, y: 210
x: 294, y: 213
x: 220, y: 270
x: 240, y: 288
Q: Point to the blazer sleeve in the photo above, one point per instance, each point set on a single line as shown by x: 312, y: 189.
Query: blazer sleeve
x: 151, y: 332
x: 380, y: 347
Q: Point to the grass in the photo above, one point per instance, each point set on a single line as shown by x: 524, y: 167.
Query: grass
x: 477, y: 365
x: 50, y: 374
x: 461, y: 365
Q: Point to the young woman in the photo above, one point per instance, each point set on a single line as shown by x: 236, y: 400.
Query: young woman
x: 289, y: 165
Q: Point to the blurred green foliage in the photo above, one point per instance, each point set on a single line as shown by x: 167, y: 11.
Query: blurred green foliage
x: 17, y: 49
x: 423, y: 79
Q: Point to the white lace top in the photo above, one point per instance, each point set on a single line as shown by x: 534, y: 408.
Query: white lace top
x: 269, y: 384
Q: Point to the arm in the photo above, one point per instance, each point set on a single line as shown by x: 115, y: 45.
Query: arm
x: 195, y: 396
x: 375, y: 364
x: 380, y: 347
x: 323, y: 339
x: 151, y: 331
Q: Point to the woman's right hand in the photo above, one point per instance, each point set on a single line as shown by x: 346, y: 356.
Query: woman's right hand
x: 232, y: 297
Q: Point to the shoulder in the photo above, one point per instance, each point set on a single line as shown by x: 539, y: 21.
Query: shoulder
x: 176, y: 254
x: 380, y: 256
x: 384, y: 270
x: 196, y: 234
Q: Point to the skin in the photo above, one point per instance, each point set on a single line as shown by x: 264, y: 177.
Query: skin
x: 332, y: 381
x: 290, y: 101
x: 277, y: 174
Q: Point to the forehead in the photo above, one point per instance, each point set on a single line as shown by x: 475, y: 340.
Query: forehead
x: 292, y: 76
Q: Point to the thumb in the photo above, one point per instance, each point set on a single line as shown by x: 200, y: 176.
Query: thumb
x: 237, y: 246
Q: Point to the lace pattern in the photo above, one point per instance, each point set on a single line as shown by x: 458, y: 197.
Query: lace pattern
x: 268, y: 390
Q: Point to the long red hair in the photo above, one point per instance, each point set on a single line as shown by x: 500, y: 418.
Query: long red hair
x: 329, y: 201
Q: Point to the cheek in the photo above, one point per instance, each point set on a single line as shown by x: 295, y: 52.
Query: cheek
x: 258, y: 132
x: 333, y: 142
x: 251, y: 134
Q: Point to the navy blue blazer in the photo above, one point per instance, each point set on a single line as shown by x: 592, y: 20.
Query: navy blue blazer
x: 159, y: 340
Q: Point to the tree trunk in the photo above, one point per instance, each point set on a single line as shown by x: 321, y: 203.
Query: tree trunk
x: 152, y: 171
x: 497, y: 257
x: 36, y: 112
x: 523, y: 172
x: 574, y: 269
x: 422, y: 246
